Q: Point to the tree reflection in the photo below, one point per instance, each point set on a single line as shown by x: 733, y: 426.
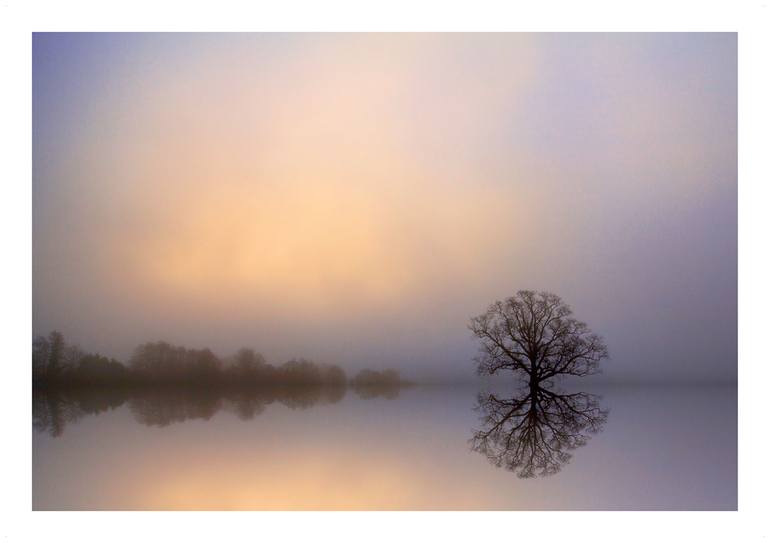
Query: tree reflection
x: 53, y: 410
x: 379, y: 390
x: 164, y: 407
x: 534, y: 434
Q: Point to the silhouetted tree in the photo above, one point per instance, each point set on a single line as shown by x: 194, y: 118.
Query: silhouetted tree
x: 248, y: 362
x: 41, y: 351
x: 55, y: 353
x: 246, y: 368
x: 203, y: 365
x: 297, y: 371
x: 533, y: 434
x: 158, y: 361
x: 535, y: 333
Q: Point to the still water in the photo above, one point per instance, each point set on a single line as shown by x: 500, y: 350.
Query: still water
x: 423, y: 448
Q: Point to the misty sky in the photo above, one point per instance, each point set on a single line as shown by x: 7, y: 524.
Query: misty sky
x: 354, y: 199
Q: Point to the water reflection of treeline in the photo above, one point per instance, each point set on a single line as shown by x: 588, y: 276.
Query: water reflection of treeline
x: 161, y: 405
x: 57, y: 364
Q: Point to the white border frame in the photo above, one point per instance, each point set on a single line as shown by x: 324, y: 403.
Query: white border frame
x: 18, y: 20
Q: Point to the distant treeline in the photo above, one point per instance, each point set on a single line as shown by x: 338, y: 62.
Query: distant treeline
x: 56, y: 363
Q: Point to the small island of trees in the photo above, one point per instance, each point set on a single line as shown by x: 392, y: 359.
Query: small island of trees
x: 57, y: 364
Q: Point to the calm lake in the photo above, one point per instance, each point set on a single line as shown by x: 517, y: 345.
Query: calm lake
x: 412, y: 448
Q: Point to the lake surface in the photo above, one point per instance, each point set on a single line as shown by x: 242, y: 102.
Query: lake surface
x: 645, y: 448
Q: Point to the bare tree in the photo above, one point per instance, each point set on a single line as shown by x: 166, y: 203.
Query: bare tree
x: 535, y: 333
x: 41, y: 350
x: 55, y: 353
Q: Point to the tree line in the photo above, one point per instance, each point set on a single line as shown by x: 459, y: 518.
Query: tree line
x: 57, y: 363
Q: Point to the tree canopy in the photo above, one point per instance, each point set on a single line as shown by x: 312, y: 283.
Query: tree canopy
x: 534, y: 333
